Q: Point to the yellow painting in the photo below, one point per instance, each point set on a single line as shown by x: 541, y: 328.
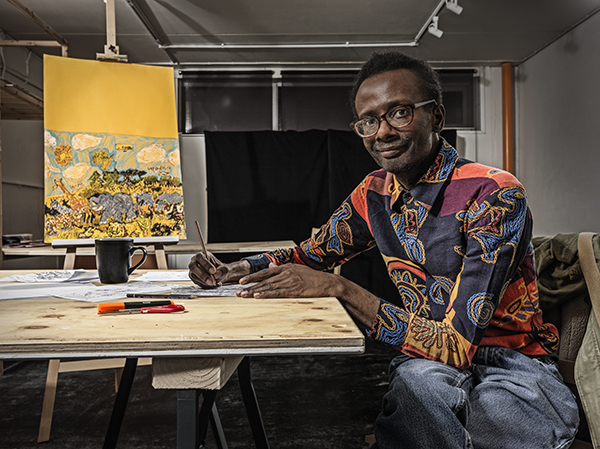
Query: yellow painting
x: 112, y: 161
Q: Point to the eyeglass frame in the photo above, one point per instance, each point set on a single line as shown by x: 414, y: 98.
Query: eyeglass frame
x: 384, y: 116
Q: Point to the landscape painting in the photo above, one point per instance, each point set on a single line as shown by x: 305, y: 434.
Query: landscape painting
x: 112, y: 166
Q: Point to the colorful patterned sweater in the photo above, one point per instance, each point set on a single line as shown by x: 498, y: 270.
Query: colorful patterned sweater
x: 458, y: 248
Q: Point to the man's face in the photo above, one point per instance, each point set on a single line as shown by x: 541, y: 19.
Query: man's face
x: 406, y: 152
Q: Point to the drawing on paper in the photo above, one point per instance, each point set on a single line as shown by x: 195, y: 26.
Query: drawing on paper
x: 105, y: 185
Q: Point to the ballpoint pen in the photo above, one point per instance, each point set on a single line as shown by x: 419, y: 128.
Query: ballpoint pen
x: 161, y: 295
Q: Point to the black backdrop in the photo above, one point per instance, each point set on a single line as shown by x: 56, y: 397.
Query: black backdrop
x: 278, y: 185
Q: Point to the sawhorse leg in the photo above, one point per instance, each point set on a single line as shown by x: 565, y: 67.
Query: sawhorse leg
x: 116, y: 418
x: 192, y: 426
x: 249, y: 396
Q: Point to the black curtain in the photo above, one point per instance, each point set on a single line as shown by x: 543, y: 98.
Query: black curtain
x: 266, y: 185
x: 277, y: 185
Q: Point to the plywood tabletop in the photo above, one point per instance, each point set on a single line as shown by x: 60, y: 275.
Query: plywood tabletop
x: 210, y: 326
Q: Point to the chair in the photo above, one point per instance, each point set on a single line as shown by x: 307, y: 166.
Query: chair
x: 56, y: 366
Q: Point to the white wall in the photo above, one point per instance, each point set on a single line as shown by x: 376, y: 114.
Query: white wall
x: 23, y: 187
x: 485, y: 145
x: 23, y: 177
x: 558, y: 118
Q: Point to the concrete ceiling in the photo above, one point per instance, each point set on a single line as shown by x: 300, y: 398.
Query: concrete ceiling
x: 343, y: 32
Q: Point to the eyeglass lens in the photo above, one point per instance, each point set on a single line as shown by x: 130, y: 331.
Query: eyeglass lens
x: 397, y: 117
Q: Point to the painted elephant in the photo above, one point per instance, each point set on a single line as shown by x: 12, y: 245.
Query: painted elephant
x: 144, y: 204
x: 165, y: 200
x: 119, y: 207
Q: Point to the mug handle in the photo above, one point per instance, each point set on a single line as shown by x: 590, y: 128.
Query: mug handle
x: 139, y: 264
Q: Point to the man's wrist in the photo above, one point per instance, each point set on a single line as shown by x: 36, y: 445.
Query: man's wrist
x: 238, y: 270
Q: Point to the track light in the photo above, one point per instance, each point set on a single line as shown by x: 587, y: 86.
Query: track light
x: 453, y: 6
x: 433, y: 27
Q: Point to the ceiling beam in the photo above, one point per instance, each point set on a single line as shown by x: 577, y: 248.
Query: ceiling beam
x: 43, y: 25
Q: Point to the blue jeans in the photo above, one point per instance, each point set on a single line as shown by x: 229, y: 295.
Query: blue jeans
x: 505, y: 400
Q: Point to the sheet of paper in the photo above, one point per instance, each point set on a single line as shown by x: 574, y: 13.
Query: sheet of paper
x: 224, y: 290
x: 41, y: 290
x: 113, y: 292
x: 54, y: 276
x: 163, y: 276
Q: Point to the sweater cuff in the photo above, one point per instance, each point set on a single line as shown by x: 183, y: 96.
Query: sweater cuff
x: 390, y: 324
x: 258, y: 262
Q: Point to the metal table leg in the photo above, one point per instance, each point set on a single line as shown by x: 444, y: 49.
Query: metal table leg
x: 251, y: 403
x: 187, y: 422
x: 217, y: 429
x: 116, y: 418
x: 192, y: 425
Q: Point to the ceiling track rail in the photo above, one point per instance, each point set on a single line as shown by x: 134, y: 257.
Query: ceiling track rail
x: 285, y: 46
x: 223, y: 46
x: 151, y: 29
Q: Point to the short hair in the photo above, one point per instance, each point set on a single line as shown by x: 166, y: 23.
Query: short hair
x: 381, y: 62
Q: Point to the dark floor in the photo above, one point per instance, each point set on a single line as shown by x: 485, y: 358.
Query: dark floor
x: 331, y: 405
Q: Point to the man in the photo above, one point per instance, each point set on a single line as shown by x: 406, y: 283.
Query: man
x: 476, y: 363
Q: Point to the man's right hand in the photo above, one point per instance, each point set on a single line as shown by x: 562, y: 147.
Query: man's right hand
x: 210, y: 272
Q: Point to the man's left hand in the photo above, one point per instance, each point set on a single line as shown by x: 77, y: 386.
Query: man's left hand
x: 290, y: 281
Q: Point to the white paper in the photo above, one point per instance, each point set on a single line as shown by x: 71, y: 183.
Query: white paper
x: 163, y: 276
x: 224, y: 290
x: 41, y: 290
x: 113, y: 292
x: 57, y: 276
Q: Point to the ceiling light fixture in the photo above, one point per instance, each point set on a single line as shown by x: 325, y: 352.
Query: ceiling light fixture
x: 433, y: 27
x: 453, y: 6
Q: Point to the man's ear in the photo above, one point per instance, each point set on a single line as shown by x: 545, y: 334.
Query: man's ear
x: 439, y: 118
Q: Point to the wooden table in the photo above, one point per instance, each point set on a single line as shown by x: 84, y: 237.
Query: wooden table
x: 195, y: 350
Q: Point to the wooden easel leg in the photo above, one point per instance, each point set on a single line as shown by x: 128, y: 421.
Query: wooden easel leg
x: 48, y: 404
x: 161, y: 258
x: 69, y: 263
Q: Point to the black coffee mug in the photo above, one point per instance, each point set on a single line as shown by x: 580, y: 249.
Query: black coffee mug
x: 113, y: 259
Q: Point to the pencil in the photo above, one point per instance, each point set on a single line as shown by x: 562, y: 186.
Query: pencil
x: 161, y: 295
x: 204, y: 249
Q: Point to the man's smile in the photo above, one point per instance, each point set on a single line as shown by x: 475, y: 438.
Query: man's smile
x: 391, y: 149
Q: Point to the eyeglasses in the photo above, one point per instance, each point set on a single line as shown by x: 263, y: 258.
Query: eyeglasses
x: 397, y: 117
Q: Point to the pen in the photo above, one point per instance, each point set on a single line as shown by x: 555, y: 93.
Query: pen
x: 159, y: 295
x: 204, y: 249
x: 112, y: 306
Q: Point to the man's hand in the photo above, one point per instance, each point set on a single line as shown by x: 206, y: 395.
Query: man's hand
x: 290, y: 281
x: 299, y: 281
x: 211, y: 272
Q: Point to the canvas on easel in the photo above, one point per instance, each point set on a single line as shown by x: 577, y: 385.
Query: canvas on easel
x: 112, y: 161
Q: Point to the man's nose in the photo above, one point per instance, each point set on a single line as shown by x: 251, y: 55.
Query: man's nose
x: 385, y: 130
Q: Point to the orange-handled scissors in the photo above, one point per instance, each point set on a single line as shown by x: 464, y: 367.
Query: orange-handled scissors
x: 163, y: 309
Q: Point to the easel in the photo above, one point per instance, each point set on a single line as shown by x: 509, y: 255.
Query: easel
x: 55, y: 366
x: 157, y: 243
x: 111, y: 49
x: 111, y: 53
